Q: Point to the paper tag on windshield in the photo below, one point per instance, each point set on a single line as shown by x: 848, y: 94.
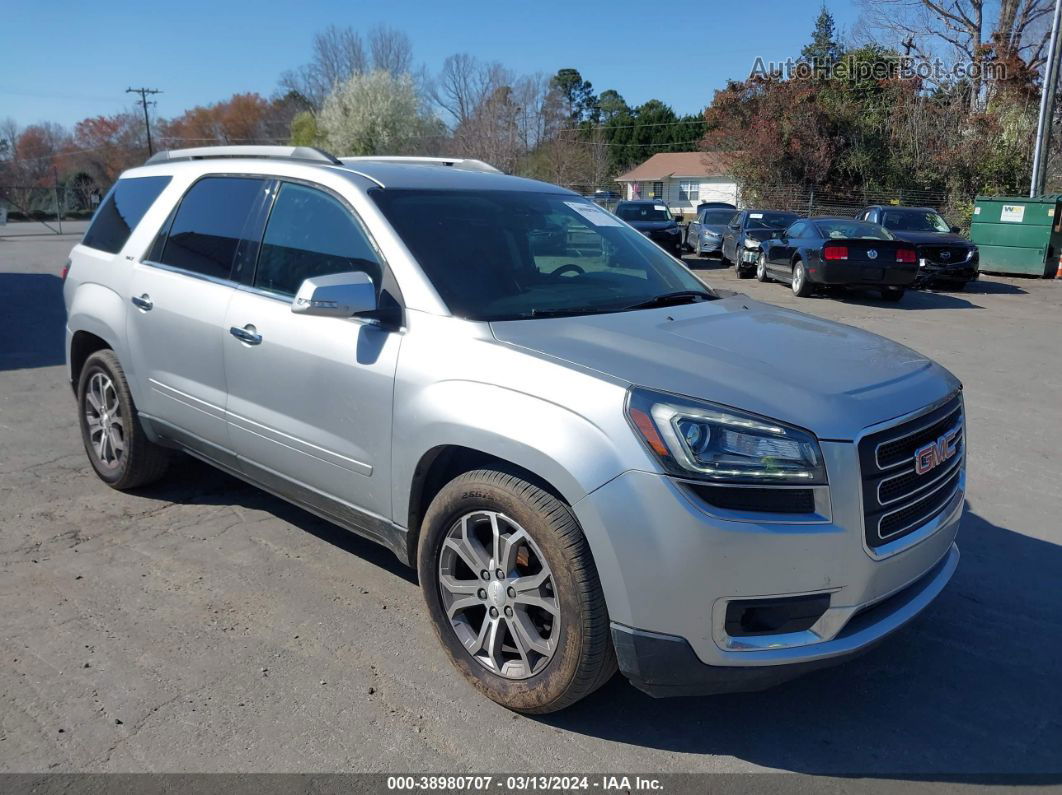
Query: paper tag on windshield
x: 660, y: 207
x: 594, y: 214
x: 755, y: 215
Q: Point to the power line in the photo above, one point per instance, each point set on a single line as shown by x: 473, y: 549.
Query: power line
x: 143, y: 92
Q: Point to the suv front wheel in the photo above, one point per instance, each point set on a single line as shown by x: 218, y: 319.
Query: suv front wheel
x: 513, y: 592
x: 114, y: 439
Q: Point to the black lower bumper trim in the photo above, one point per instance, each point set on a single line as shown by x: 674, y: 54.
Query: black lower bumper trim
x: 665, y: 665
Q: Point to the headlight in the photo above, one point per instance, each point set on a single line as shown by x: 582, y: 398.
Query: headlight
x: 750, y: 243
x: 705, y: 440
x: 672, y: 230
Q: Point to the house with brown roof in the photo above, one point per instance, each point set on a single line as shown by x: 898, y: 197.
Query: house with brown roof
x: 682, y: 180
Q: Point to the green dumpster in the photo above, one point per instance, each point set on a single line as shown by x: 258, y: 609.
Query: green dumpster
x: 1018, y: 234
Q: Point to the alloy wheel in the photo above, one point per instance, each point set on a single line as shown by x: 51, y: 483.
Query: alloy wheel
x: 761, y: 268
x: 498, y: 594
x: 103, y: 414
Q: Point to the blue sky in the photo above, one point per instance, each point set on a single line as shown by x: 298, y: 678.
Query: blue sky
x: 63, y: 61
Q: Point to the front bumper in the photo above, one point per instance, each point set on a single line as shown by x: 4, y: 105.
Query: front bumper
x: 709, y: 245
x: 670, y: 564
x: 669, y: 242
x: 929, y: 271
x: 665, y: 665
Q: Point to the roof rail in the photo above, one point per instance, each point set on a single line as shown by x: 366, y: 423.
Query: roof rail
x: 308, y: 153
x: 466, y: 164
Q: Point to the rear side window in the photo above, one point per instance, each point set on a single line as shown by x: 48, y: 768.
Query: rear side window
x: 121, y: 211
x: 214, y: 217
x: 311, y: 234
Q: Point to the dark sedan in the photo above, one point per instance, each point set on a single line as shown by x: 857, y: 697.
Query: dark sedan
x: 653, y: 219
x: 747, y: 229
x: 944, y: 256
x: 704, y: 234
x: 838, y: 252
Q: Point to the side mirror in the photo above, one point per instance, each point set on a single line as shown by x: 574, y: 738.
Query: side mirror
x: 337, y: 295
x: 955, y: 230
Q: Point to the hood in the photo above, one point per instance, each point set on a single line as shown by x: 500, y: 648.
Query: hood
x: 931, y: 238
x: 652, y: 226
x: 719, y: 229
x: 759, y: 235
x: 831, y: 379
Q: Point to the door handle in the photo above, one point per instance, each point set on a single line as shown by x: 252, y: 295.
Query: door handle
x: 142, y: 302
x: 246, y: 334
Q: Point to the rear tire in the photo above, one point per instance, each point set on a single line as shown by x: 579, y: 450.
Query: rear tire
x: 892, y: 294
x: 551, y: 659
x: 800, y: 285
x: 115, y: 442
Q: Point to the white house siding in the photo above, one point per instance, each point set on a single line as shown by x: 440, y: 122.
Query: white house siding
x: 710, y: 189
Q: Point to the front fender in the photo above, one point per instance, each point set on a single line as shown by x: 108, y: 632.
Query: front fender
x: 572, y: 452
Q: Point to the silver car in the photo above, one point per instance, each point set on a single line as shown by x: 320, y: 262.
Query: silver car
x: 704, y: 234
x: 592, y: 459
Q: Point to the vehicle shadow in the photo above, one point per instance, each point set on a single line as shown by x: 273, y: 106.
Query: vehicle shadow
x: 32, y: 320
x: 912, y: 300
x: 193, y: 482
x: 971, y: 687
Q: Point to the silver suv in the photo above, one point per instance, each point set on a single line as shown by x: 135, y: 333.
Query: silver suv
x: 592, y: 459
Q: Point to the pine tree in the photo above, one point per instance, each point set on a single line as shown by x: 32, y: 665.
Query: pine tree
x: 824, y: 50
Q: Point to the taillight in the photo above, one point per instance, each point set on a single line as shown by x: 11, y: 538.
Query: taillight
x: 833, y: 252
x: 906, y: 255
x: 66, y: 270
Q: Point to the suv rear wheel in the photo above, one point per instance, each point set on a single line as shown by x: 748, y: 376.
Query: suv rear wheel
x: 114, y: 439
x: 513, y: 592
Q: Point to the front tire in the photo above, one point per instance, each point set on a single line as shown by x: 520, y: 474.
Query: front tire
x: 513, y: 592
x: 761, y: 268
x: 117, y: 446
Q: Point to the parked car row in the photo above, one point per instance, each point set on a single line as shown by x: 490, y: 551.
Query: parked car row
x: 885, y: 247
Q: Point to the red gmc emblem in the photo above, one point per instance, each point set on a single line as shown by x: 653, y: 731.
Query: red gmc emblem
x: 932, y: 455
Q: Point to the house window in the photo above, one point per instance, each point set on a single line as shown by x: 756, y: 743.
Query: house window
x: 657, y: 191
x: 689, y: 191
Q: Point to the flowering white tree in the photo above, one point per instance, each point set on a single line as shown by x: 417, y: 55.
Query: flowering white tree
x: 375, y: 113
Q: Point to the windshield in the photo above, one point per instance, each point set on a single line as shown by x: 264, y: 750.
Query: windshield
x: 720, y: 217
x: 758, y: 220
x: 852, y: 230
x: 643, y: 212
x: 917, y: 221
x: 506, y: 255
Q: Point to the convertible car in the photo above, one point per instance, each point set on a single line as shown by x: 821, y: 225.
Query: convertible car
x: 838, y: 252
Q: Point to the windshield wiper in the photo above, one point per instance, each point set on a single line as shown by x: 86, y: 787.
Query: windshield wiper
x: 672, y: 299
x: 568, y: 311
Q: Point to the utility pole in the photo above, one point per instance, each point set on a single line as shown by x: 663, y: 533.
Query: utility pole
x: 143, y: 92
x: 1047, y: 105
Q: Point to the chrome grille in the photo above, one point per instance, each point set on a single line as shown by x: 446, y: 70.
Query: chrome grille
x: 896, y: 499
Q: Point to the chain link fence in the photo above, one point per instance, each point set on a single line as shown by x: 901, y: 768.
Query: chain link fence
x: 47, y: 206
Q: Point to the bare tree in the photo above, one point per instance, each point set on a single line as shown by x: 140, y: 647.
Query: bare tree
x: 975, y: 30
x: 338, y: 53
x: 391, y: 50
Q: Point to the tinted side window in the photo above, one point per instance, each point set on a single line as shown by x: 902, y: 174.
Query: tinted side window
x: 311, y: 234
x: 121, y: 211
x: 210, y: 223
x: 798, y: 230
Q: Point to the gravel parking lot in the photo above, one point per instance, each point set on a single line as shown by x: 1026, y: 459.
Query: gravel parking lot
x: 202, y: 625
